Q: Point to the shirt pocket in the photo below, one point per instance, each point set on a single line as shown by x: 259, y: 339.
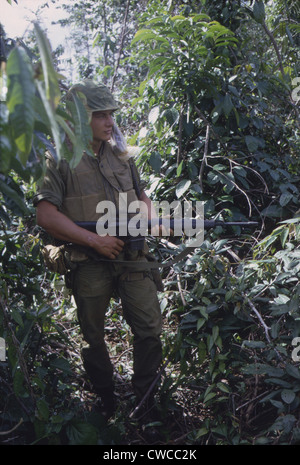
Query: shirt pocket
x: 123, y: 177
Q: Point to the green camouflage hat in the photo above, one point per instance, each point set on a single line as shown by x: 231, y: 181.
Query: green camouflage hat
x: 98, y: 96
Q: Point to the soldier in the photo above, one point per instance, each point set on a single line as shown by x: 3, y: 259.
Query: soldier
x: 67, y: 196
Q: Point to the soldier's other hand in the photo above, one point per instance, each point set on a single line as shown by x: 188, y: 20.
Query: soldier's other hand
x: 162, y: 230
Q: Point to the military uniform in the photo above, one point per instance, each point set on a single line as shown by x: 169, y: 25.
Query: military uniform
x: 76, y: 193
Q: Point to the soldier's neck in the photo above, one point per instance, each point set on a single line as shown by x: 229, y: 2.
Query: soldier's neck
x: 97, y: 146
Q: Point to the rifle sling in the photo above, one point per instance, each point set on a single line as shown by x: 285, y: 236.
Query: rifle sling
x: 141, y: 265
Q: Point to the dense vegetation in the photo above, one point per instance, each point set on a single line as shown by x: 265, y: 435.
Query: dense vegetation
x: 210, y: 95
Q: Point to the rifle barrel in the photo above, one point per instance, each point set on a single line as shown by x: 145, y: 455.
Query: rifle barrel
x: 183, y: 224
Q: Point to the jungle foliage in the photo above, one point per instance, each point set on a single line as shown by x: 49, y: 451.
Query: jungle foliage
x: 211, y: 99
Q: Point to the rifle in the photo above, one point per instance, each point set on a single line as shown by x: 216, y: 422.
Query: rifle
x: 136, y: 241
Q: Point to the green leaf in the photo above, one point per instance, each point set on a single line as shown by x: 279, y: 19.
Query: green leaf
x: 285, y: 198
x: 81, y: 433
x: 17, y: 317
x: 284, y: 423
x: 179, y: 169
x: 18, y: 382
x: 282, y: 299
x: 82, y: 132
x: 62, y: 364
x: 215, y: 333
x: 153, y: 115
x: 254, y: 344
x: 155, y: 161
x: 182, y: 187
x: 200, y: 323
x: 50, y: 77
x: 146, y: 35
x: 288, y: 396
x: 171, y: 115
x: 259, y: 11
x: 223, y: 387
x: 201, y: 432
x: 284, y: 236
x: 14, y: 196
x: 227, y: 105
x: 6, y: 151
x: 293, y: 371
x: 253, y: 143
x: 209, y: 396
x: 188, y: 126
x: 20, y: 100
x: 52, y: 121
x: 42, y: 409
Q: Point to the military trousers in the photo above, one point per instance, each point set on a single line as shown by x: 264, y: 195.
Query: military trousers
x: 94, y: 284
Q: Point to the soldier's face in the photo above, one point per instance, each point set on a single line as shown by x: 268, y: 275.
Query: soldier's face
x: 102, y: 124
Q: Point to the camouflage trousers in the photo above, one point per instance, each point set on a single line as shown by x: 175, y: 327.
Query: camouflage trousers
x: 94, y: 284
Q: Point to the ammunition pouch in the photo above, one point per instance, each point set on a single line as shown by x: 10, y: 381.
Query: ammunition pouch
x: 54, y: 258
x: 133, y: 243
x: 62, y: 258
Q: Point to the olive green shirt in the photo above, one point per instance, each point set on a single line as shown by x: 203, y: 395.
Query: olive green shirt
x: 77, y: 192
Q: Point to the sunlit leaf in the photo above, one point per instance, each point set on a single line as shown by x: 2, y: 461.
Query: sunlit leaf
x: 20, y: 96
x: 153, y: 115
x: 182, y: 187
x: 52, y: 121
x: 81, y: 134
x: 52, y: 90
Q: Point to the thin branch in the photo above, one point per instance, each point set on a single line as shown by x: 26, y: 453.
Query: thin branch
x: 180, y: 290
x: 204, y: 156
x: 274, y: 43
x: 3, y: 433
x: 179, y: 152
x: 266, y: 328
x: 150, y: 389
x: 252, y: 400
x: 253, y: 308
x: 121, y: 46
x: 202, y: 116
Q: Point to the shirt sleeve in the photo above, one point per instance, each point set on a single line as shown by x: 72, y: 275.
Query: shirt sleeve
x: 52, y: 187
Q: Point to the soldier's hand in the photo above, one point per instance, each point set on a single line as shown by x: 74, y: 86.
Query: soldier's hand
x: 162, y: 230
x: 109, y: 246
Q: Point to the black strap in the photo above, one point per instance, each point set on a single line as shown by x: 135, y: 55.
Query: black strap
x: 134, y: 179
x: 141, y: 265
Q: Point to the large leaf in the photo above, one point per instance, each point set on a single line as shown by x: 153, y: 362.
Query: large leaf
x: 50, y: 77
x: 147, y: 34
x: 81, y: 136
x: 20, y: 100
x: 259, y: 11
x: 52, y: 120
x: 155, y: 161
x: 81, y: 433
x: 182, y: 187
x: 13, y: 196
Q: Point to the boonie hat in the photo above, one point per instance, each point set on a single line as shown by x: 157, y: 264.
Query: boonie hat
x: 98, y: 96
